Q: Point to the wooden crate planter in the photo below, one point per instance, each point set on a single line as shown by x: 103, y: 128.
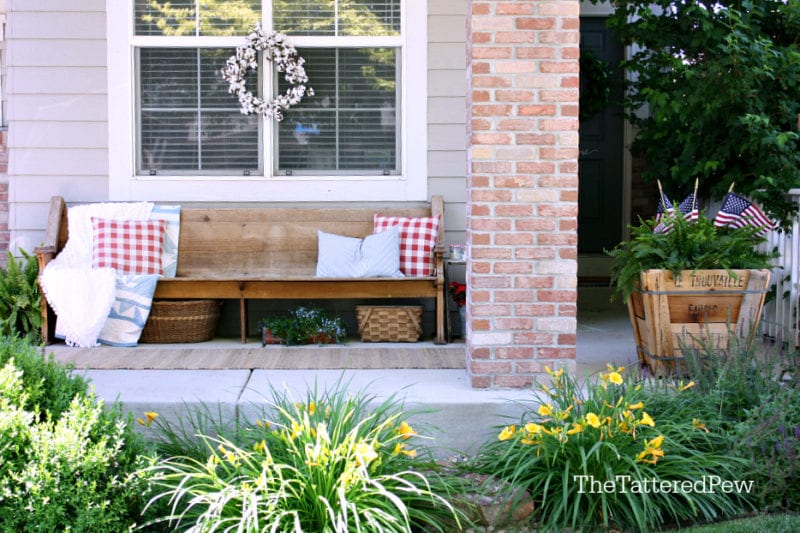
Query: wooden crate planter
x: 702, y: 306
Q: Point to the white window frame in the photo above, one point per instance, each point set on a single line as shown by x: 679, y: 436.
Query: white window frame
x: 124, y: 184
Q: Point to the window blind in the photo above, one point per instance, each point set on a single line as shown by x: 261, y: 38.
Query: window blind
x: 351, y: 124
x: 188, y: 121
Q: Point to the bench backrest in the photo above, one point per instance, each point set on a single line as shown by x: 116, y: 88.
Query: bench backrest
x: 217, y: 242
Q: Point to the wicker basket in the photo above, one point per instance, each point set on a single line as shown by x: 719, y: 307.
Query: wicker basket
x: 389, y: 323
x: 174, y: 321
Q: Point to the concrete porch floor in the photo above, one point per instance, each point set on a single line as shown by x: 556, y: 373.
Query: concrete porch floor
x: 456, y: 416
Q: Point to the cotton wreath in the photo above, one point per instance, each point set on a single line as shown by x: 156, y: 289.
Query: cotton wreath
x: 284, y: 55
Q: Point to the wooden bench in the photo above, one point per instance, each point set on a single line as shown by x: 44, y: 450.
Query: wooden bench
x: 267, y: 252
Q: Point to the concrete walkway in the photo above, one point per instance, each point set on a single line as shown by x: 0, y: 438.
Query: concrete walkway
x: 458, y: 417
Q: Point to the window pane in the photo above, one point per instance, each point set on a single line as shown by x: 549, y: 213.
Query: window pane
x: 188, y: 121
x: 355, y: 17
x: 351, y: 123
x: 196, y: 17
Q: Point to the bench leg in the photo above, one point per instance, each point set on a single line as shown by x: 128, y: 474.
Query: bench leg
x: 440, y: 320
x: 243, y: 318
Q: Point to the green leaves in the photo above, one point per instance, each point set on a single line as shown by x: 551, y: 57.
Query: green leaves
x: 721, y: 86
x: 20, y: 298
x: 689, y: 246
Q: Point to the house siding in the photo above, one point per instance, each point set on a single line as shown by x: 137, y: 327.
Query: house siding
x: 58, y: 119
x: 57, y: 112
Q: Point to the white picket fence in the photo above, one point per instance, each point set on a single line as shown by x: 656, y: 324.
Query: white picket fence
x: 780, y: 318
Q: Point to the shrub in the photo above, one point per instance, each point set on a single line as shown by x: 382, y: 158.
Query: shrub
x: 598, y: 459
x: 20, y: 298
x: 66, y: 469
x: 328, y: 463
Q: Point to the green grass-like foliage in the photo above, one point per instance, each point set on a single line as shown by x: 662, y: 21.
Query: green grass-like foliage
x: 66, y: 462
x: 569, y: 441
x: 20, y: 298
x: 688, y: 246
x: 334, y: 462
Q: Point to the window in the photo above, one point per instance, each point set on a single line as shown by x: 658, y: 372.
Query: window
x: 176, y: 134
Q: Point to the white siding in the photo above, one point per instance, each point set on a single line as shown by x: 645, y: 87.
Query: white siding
x: 58, y: 117
x: 447, y: 112
x: 57, y: 109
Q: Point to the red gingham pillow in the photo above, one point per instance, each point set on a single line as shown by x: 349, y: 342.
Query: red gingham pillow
x: 130, y: 246
x: 417, y: 241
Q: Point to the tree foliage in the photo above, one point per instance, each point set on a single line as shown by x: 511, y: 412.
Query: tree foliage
x: 713, y: 91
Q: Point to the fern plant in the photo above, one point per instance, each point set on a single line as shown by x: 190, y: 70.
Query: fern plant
x: 696, y: 245
x: 20, y: 298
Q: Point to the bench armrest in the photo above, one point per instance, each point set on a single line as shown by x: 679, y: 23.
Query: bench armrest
x: 44, y: 254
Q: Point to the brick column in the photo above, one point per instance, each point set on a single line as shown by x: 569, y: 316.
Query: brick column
x: 522, y: 182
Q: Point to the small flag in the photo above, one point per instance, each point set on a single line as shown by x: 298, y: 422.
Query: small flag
x: 738, y: 212
x: 664, y: 209
x: 689, y: 208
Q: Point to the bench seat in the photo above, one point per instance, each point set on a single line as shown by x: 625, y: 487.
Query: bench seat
x: 267, y: 252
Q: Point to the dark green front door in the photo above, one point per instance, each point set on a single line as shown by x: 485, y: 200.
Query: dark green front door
x: 600, y: 162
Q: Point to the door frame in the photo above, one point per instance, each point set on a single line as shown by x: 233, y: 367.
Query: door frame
x: 592, y: 263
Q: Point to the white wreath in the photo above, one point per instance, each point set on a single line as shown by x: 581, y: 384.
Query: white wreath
x: 286, y: 60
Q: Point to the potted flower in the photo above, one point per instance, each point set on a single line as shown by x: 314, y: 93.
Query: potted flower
x: 303, y: 325
x: 458, y: 291
x: 693, y: 282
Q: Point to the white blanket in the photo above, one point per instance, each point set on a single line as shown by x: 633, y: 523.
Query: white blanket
x: 80, y: 295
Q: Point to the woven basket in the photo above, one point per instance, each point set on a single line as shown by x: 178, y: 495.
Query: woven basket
x: 174, y: 321
x: 389, y: 323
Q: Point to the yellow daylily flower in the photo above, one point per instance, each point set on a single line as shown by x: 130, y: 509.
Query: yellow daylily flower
x: 615, y: 378
x: 507, y: 432
x: 149, y: 417
x: 406, y: 431
x: 647, y: 420
x: 635, y: 406
x: 545, y: 410
x: 687, y: 386
x: 534, y: 428
x: 364, y: 453
x: 576, y: 428
x: 401, y: 448
x: 312, y: 408
x: 593, y: 420
x: 655, y: 443
x: 697, y: 424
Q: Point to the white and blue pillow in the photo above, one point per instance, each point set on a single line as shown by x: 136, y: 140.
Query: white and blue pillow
x: 375, y: 256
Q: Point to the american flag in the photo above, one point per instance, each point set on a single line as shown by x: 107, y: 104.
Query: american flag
x: 688, y: 208
x: 737, y: 212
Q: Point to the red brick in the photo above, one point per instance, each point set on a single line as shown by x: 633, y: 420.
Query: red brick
x: 537, y: 167
x: 481, y: 37
x: 568, y: 225
x: 481, y: 353
x: 479, y: 210
x: 538, y: 110
x: 514, y: 381
x: 491, y: 81
x: 558, y: 153
x: 536, y: 253
x: 515, y: 267
x: 557, y: 239
x: 490, y: 367
x: 569, y: 167
x: 481, y: 96
x: 567, y: 310
x: 536, y: 309
x: 511, y: 324
x: 570, y: 211
x: 534, y: 282
x: 534, y: 52
x: 559, y: 182
x: 491, y: 52
x: 536, y: 139
x: 557, y: 296
x: 515, y: 37
x: 556, y: 353
x: 570, y: 82
x: 569, y: 196
x: 480, y: 325
x: 514, y: 353
x: 567, y: 339
x: 536, y: 23
x: 517, y: 8
x: 568, y: 253
x: 480, y: 382
x: 491, y: 167
x: 491, y: 138
x: 535, y: 224
x: 479, y: 8
x: 514, y: 210
x: 513, y: 296
x: 514, y: 182
x: 491, y: 195
x: 533, y: 339
x: 502, y: 95
x: 513, y: 239
x: 488, y: 110
x: 480, y: 67
x: 569, y: 111
x: 559, y: 67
